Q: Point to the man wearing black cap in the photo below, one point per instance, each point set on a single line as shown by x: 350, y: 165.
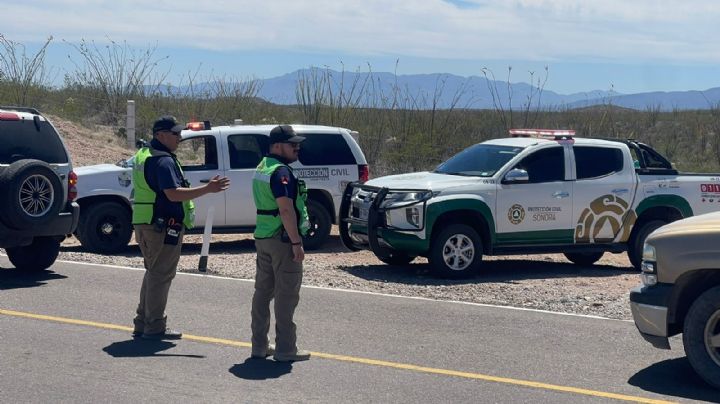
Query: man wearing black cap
x: 282, y: 221
x: 162, y: 210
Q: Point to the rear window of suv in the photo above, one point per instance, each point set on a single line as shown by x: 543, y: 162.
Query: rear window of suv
x: 24, y: 140
x: 325, y: 149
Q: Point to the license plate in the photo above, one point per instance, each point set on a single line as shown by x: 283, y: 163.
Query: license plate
x: 363, y: 213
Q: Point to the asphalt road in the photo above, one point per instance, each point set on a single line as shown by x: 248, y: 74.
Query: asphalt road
x: 65, y: 337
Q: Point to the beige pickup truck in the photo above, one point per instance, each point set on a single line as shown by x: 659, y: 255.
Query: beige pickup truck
x: 680, y: 291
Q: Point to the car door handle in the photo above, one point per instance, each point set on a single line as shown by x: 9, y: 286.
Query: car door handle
x: 205, y: 181
x: 561, y: 194
x: 620, y: 191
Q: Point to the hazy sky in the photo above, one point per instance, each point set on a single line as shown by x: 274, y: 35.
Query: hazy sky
x: 629, y: 45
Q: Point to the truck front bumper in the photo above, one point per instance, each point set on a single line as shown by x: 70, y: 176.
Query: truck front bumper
x: 649, y: 307
x: 364, y: 226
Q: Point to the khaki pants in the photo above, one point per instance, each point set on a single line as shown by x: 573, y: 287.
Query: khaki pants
x: 278, y: 277
x: 161, y: 262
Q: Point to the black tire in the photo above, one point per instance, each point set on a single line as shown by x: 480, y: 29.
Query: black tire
x: 320, y: 223
x: 635, y: 247
x: 446, y: 258
x: 581, y: 258
x: 702, y: 324
x: 39, y: 255
x: 397, y: 258
x: 32, y: 194
x: 105, y: 227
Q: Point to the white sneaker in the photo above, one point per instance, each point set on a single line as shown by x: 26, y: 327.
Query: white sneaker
x: 300, y: 355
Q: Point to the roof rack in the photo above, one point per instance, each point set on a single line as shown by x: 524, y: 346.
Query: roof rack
x: 556, y: 134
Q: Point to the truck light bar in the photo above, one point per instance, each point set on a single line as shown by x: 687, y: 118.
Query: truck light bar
x: 542, y: 133
x: 9, y: 116
x: 204, y: 125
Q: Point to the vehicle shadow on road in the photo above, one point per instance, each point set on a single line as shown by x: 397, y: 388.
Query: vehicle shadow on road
x: 495, y: 271
x: 136, y: 348
x: 674, y: 377
x: 260, y: 369
x: 11, y: 278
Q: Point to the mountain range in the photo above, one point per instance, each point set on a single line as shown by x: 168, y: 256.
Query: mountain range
x: 475, y: 92
x: 443, y: 91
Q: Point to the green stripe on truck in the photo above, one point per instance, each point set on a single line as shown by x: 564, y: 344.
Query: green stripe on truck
x: 671, y: 201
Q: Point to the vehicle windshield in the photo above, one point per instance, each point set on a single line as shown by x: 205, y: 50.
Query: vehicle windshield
x: 481, y: 160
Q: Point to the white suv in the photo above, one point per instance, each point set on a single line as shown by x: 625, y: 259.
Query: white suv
x: 330, y: 158
x: 37, y: 189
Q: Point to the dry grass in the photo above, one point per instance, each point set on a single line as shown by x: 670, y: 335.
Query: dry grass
x: 88, y: 146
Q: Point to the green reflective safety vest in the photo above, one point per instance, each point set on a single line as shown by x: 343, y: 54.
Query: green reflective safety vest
x: 144, y: 201
x: 269, y: 222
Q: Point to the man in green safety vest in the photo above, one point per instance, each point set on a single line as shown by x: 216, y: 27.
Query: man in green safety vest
x: 282, y: 221
x: 162, y: 210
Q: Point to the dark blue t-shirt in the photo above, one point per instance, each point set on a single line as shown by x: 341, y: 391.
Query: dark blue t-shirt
x: 162, y: 173
x: 282, y: 182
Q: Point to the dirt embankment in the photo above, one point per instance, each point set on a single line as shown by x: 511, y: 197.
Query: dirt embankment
x: 89, y: 146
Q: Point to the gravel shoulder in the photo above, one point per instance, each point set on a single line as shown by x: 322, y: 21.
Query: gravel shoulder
x: 545, y: 282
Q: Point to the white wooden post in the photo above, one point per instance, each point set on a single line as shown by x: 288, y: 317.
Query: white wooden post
x: 130, y: 124
x: 205, y: 250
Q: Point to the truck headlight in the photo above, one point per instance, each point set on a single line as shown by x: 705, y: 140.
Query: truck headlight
x: 405, y: 210
x: 649, y: 253
x: 648, y: 279
x: 409, y: 218
x: 412, y: 214
x: 648, y: 276
x: 399, y: 199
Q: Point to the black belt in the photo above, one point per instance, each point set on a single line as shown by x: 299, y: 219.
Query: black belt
x: 271, y: 212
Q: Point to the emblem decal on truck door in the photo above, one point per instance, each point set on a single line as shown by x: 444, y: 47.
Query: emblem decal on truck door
x: 603, y: 220
x: 516, y: 214
x: 125, y: 178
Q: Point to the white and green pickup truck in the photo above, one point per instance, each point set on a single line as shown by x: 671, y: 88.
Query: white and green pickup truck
x: 538, y: 191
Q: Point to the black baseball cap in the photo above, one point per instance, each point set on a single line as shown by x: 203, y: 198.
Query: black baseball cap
x: 169, y: 123
x: 284, y: 134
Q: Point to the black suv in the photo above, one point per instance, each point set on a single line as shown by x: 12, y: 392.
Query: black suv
x: 37, y: 189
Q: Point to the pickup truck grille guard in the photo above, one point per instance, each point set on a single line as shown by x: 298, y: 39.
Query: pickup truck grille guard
x: 373, y: 220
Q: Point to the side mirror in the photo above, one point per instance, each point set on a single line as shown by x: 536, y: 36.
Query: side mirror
x: 126, y: 163
x: 516, y: 175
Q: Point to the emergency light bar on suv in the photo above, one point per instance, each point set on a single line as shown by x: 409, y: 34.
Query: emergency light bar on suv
x: 542, y: 133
